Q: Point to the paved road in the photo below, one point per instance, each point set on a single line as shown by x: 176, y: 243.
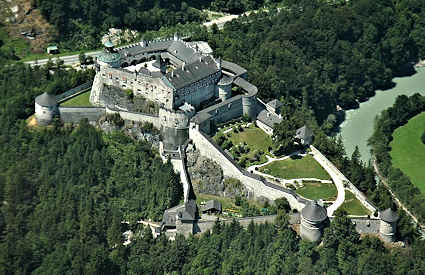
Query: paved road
x: 68, y: 60
x: 73, y: 59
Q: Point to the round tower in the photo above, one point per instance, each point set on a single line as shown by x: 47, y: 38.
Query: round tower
x: 249, y: 106
x: 313, y: 217
x: 225, y: 88
x: 109, y: 57
x: 387, y: 227
x: 46, y: 108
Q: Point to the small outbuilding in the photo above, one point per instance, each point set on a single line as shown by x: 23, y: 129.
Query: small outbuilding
x: 304, y: 135
x: 53, y: 49
x: 212, y: 207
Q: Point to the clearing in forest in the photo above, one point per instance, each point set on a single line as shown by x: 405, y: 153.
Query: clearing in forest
x: 408, y: 151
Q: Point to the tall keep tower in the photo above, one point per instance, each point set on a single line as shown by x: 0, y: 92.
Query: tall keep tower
x: 313, y: 217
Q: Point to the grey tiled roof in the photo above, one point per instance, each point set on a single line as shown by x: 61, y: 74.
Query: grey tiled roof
x: 185, y: 212
x: 212, y: 205
x: 246, y: 86
x: 275, y: 104
x: 314, y: 212
x: 46, y: 100
x: 182, y: 52
x: 193, y: 72
x: 268, y: 118
x: 389, y: 215
x: 201, y: 117
x: 233, y: 68
x: 225, y: 80
x: 304, y: 132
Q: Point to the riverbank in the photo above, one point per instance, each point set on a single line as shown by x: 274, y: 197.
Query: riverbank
x: 357, y: 127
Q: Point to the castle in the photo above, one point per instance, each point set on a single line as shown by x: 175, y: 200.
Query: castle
x: 184, y: 91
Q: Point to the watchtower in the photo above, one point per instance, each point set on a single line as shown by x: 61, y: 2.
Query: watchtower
x: 46, y: 108
x: 313, y: 217
x: 387, y: 227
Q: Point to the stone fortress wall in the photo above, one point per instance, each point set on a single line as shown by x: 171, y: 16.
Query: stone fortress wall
x: 255, y: 184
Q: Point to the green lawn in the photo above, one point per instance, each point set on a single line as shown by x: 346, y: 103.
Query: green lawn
x: 353, y: 206
x: 256, y: 140
x: 81, y: 100
x: 408, y: 152
x: 306, y: 167
x: 318, y: 190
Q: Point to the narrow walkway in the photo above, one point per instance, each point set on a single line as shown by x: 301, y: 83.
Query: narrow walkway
x: 270, y: 160
x: 338, y: 181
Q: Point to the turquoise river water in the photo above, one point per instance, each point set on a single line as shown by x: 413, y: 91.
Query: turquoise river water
x: 358, y: 124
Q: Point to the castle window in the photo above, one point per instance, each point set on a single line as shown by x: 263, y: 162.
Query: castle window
x: 229, y: 105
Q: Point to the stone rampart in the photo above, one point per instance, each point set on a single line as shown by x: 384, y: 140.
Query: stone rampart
x: 255, y: 184
x: 76, y: 114
x: 174, y: 119
x: 139, y: 117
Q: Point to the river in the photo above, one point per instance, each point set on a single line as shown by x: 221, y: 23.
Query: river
x: 358, y: 124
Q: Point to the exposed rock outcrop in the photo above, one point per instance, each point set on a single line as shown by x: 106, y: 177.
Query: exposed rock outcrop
x: 207, y: 177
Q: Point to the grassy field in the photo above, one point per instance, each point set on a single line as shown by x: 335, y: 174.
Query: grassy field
x: 408, y: 152
x: 306, y: 167
x: 353, y: 206
x: 317, y: 190
x: 80, y: 100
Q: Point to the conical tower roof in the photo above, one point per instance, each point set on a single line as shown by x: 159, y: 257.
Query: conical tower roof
x: 389, y: 215
x: 314, y: 212
x: 46, y: 100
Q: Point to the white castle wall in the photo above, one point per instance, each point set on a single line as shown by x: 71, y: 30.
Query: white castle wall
x: 257, y: 187
x: 152, y: 88
x: 44, y: 115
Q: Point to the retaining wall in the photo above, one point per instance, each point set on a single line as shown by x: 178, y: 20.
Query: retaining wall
x: 76, y: 114
x: 139, y: 117
x: 255, y: 184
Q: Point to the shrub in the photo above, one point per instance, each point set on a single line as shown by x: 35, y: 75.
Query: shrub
x: 423, y: 138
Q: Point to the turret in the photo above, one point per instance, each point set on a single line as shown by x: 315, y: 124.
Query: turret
x: 46, y: 108
x: 388, y: 225
x: 313, y: 217
x: 224, y: 87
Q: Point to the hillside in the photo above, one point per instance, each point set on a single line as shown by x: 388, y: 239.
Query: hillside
x: 19, y: 18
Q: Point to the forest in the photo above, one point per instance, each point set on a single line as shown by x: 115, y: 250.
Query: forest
x: 321, y: 55
x: 65, y: 190
x: 399, y: 114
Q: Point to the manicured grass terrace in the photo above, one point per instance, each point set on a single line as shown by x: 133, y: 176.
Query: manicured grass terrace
x: 408, y: 151
x: 353, y: 206
x: 318, y: 190
x: 305, y: 167
x: 81, y: 100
